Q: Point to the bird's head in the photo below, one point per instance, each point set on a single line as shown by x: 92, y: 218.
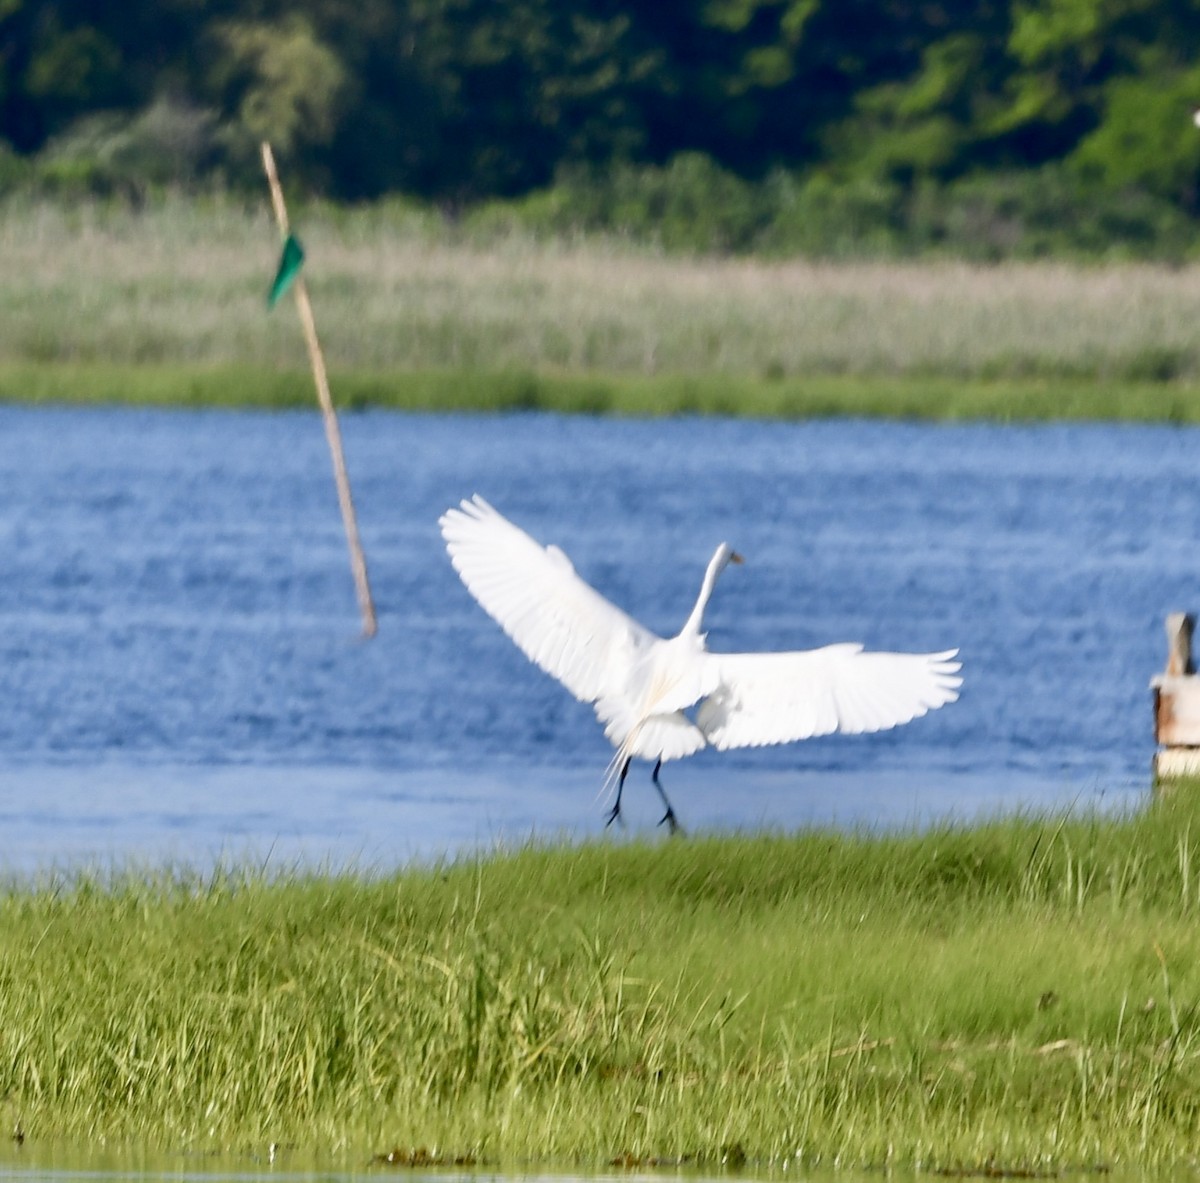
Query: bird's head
x: 726, y: 554
x: 722, y: 557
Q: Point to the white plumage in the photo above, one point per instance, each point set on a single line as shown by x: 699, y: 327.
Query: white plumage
x: 644, y: 687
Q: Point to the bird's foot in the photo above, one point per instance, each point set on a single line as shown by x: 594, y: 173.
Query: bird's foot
x: 614, y: 815
x: 668, y: 820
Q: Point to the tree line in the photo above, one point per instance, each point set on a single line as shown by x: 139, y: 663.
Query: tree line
x: 456, y: 101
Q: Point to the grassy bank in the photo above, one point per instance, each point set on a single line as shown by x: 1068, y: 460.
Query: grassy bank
x: 167, y: 304
x: 243, y: 386
x: 1022, y: 994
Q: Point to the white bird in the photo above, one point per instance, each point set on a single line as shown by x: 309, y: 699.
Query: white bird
x: 660, y: 699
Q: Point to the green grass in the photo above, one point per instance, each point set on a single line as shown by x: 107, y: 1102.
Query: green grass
x: 167, y: 305
x: 1023, y: 993
x: 243, y: 386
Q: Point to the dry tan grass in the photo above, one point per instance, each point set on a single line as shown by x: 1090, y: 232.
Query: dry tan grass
x: 187, y: 282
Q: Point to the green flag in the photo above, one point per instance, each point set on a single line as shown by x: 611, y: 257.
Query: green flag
x: 289, y: 267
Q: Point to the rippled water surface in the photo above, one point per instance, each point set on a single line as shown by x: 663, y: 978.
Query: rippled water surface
x: 181, y: 676
x: 60, y: 1165
x: 286, y: 1166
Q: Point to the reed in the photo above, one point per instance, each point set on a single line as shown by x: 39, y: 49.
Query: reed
x: 180, y: 285
x: 1018, y: 995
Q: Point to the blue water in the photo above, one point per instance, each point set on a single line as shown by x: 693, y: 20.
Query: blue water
x: 182, y: 678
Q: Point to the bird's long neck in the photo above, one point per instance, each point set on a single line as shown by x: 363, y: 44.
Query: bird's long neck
x: 696, y: 620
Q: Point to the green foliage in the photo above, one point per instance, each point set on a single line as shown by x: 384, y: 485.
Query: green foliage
x: 922, y: 126
x: 167, y: 144
x: 823, y: 218
x: 1053, y: 212
x: 463, y: 101
x: 691, y: 205
x: 1043, y: 31
x: 281, y: 82
x: 1146, y: 139
x: 466, y: 99
x: 14, y: 171
x: 687, y: 205
x: 75, y: 68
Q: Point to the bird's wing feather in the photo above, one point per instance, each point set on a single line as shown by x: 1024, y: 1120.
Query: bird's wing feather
x: 768, y: 698
x: 559, y: 622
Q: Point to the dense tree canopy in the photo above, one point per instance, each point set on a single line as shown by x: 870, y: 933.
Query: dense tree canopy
x: 454, y: 100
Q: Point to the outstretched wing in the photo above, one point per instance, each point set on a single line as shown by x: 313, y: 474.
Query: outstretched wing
x: 563, y: 625
x: 767, y: 698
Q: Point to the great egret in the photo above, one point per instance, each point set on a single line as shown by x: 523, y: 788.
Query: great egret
x: 644, y: 687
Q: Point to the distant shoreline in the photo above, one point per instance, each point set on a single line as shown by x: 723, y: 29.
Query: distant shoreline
x: 939, y: 398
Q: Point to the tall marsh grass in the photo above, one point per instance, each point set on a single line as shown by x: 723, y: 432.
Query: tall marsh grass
x: 182, y: 283
x: 1019, y: 995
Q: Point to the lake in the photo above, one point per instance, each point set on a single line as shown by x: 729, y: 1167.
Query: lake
x: 182, y: 676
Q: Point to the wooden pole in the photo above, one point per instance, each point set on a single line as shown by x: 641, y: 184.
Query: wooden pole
x: 358, y: 561
x: 1180, y: 626
x: 1177, y: 705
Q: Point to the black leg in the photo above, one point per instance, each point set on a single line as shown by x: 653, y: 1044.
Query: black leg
x: 669, y: 816
x: 615, y: 812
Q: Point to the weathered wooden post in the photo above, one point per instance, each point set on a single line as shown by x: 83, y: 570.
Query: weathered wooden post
x: 1177, y: 704
x: 358, y: 561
